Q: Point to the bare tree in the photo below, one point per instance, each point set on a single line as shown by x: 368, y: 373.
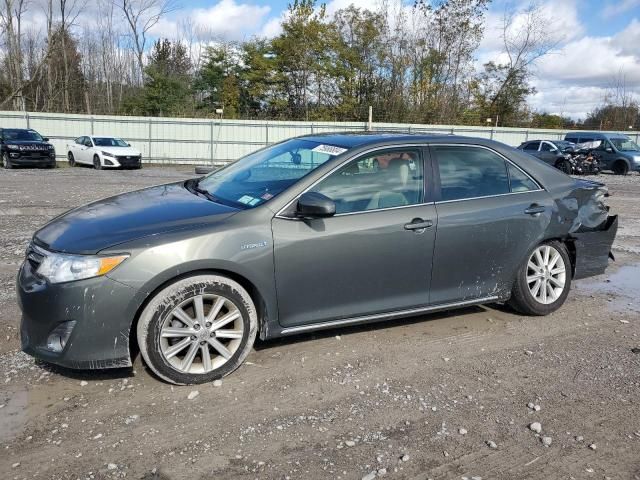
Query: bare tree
x: 527, y: 36
x: 142, y: 16
x: 11, y: 14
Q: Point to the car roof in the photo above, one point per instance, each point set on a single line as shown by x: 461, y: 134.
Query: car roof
x: 597, y: 134
x: 362, y: 139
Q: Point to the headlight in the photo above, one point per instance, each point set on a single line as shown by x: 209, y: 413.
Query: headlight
x: 58, y: 267
x: 50, y: 147
x: 13, y: 147
x: 107, y: 154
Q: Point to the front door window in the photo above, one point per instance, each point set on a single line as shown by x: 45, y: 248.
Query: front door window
x: 385, y: 179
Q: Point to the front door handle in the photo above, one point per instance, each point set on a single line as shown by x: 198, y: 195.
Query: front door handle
x: 534, y: 210
x: 418, y: 224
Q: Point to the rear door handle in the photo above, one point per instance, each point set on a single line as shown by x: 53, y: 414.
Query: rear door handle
x: 418, y: 224
x: 534, y: 210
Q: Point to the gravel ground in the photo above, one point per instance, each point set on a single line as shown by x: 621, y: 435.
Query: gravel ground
x: 476, y: 393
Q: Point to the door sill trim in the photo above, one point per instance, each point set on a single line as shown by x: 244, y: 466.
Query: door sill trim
x: 386, y: 316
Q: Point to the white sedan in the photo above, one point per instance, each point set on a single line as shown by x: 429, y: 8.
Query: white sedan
x: 103, y: 152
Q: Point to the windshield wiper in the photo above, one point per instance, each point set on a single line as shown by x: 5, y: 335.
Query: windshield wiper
x: 192, y: 186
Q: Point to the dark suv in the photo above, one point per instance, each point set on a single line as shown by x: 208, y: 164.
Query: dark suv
x: 25, y: 147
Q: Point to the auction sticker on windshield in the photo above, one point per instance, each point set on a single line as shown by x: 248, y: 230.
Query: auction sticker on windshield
x: 329, y: 149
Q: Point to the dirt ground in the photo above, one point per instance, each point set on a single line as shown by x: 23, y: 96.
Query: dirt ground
x: 440, y: 396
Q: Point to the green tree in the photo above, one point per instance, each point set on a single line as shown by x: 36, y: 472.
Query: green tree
x: 500, y: 93
x: 167, y: 84
x: 304, y: 53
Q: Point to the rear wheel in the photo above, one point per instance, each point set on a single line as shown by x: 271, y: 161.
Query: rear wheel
x: 620, y: 167
x: 543, y: 282
x: 6, y: 163
x: 197, y: 330
x: 72, y: 160
x: 96, y: 162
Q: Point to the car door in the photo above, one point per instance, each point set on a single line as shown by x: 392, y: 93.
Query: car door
x: 373, y: 256
x: 532, y: 148
x: 75, y: 148
x: 80, y: 150
x: 490, y: 214
x: 548, y: 153
x: 88, y: 151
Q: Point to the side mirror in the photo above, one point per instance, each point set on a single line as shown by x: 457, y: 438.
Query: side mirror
x: 315, y: 205
x: 46, y: 139
x: 128, y: 144
x: 554, y: 150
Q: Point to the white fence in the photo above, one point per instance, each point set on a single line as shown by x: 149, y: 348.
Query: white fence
x: 212, y: 141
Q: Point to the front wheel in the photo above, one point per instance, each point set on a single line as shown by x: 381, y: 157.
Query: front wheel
x: 543, y: 282
x: 6, y: 163
x: 197, y: 330
x: 96, y: 162
x: 620, y: 167
x: 565, y: 166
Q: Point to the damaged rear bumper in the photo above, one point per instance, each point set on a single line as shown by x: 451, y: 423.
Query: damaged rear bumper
x: 593, y: 249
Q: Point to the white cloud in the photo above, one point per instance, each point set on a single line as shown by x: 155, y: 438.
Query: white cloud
x: 272, y: 28
x: 227, y: 19
x: 619, y: 7
x: 563, y: 22
x: 334, y: 5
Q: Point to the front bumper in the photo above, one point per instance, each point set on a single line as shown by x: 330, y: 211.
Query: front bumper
x: 121, y: 161
x: 593, y: 249
x: 32, y: 159
x: 100, y: 337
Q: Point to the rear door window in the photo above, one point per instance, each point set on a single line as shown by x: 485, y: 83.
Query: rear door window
x: 532, y: 146
x: 470, y: 172
x: 520, y: 181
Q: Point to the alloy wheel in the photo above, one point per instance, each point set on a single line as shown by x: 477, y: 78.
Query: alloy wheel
x: 201, y: 334
x: 546, y: 274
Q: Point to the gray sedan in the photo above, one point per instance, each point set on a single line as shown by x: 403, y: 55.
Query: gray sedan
x: 311, y: 233
x: 553, y: 152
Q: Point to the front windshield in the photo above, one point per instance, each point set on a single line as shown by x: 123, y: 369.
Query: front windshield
x: 262, y: 175
x: 624, y: 144
x: 109, y: 142
x: 26, y: 135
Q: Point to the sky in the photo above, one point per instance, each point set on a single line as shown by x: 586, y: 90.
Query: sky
x: 598, y: 40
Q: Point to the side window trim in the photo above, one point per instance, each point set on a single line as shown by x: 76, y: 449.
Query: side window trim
x: 436, y: 174
x: 428, y: 197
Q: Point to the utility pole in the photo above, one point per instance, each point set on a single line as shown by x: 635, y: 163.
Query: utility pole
x: 370, y: 122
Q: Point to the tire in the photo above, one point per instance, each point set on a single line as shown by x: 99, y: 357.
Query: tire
x: 96, y: 162
x: 565, y: 166
x: 620, y: 167
x: 162, y: 327
x: 524, y: 296
x: 6, y: 163
x: 72, y: 160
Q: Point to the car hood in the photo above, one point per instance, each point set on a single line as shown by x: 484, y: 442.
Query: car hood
x: 119, y: 150
x: 27, y: 142
x: 109, y: 222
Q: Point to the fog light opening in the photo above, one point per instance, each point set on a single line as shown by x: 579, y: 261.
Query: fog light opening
x: 57, y: 339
